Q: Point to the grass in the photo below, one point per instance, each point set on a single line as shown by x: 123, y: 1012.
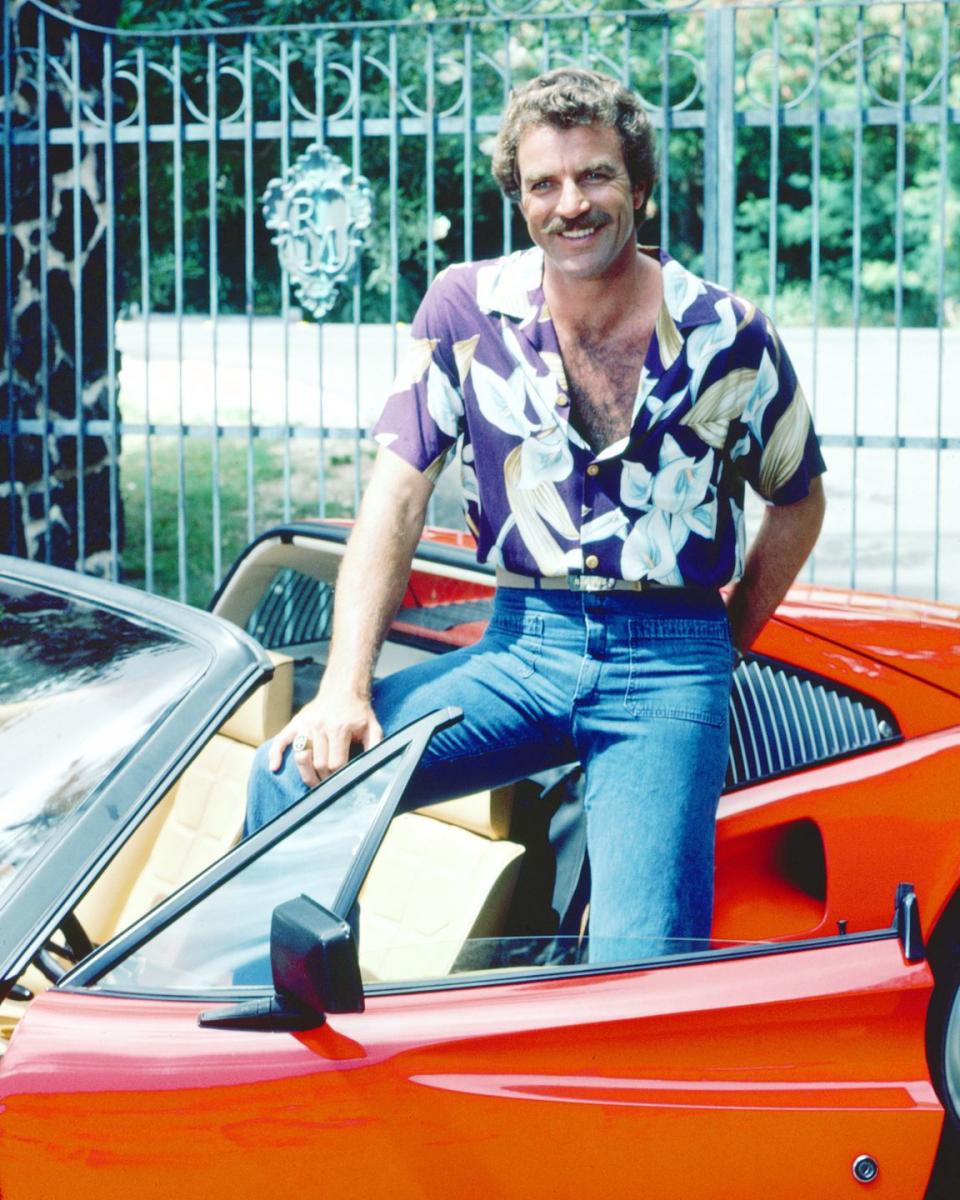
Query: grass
x: 183, y: 559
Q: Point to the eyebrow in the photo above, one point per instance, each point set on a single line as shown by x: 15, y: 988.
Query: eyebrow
x: 602, y: 164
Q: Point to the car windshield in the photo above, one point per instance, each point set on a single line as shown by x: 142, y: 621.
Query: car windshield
x: 80, y: 687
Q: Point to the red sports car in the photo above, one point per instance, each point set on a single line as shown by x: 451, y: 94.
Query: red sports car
x: 401, y: 1006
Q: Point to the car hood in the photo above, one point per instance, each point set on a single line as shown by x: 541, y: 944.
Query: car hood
x: 921, y: 638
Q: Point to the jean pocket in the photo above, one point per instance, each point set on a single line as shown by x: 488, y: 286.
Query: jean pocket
x: 521, y: 637
x: 680, y: 668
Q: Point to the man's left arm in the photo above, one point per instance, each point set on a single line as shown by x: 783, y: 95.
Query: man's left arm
x: 786, y: 537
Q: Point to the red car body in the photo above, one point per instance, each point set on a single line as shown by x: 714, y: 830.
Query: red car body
x: 810, y: 1064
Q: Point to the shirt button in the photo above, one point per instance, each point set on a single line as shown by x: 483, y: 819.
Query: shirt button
x: 560, y: 400
x: 591, y: 562
x: 593, y: 469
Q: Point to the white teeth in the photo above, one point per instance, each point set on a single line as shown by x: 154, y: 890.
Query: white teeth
x: 577, y: 233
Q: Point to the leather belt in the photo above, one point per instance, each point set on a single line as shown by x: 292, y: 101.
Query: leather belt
x: 576, y: 583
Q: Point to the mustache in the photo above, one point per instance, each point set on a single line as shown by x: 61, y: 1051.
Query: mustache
x: 594, y: 219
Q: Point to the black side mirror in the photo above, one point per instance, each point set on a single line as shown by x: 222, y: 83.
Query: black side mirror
x: 314, y: 958
x: 315, y: 971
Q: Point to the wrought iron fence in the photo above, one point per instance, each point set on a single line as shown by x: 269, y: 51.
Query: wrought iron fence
x: 807, y: 156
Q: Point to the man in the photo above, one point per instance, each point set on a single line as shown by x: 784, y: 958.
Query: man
x: 610, y: 406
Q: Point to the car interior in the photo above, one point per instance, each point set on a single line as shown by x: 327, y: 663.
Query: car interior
x: 447, y: 884
x: 442, y: 878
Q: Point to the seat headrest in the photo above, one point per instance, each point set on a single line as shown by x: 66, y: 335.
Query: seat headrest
x: 485, y: 813
x: 269, y: 708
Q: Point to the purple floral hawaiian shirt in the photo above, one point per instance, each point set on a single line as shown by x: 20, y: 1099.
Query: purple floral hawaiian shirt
x: 718, y: 404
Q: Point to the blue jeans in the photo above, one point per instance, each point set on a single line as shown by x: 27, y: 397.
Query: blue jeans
x: 634, y: 685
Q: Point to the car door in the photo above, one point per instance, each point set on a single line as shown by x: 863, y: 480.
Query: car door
x: 767, y: 1070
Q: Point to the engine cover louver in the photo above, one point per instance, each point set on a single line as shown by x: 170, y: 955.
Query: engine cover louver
x: 783, y: 718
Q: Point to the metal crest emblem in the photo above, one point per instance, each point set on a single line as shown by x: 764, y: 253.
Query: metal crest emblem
x: 318, y: 212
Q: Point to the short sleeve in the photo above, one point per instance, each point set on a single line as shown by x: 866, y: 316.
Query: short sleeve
x: 423, y: 415
x: 773, y: 443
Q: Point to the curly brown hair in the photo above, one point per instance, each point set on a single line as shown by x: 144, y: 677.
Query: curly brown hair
x: 569, y: 96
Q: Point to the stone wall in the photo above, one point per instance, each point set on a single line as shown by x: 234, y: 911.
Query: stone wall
x: 31, y: 525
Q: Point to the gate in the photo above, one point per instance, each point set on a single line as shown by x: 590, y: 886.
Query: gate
x: 163, y: 397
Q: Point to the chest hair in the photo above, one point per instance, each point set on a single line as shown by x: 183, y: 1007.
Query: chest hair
x: 603, y: 373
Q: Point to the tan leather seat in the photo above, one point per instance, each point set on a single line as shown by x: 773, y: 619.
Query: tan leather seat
x: 444, y: 875
x: 200, y: 819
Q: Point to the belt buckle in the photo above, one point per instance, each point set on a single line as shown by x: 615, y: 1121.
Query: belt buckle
x: 591, y: 583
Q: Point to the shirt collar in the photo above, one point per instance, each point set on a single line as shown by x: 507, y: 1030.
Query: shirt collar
x: 513, y: 287
x: 690, y: 300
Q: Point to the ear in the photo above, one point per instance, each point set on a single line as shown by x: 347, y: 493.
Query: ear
x: 639, y: 197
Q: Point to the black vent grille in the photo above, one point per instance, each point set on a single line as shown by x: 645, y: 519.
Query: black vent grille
x: 295, y: 609
x: 782, y: 719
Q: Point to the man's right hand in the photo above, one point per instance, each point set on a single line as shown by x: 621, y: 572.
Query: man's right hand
x: 330, y: 727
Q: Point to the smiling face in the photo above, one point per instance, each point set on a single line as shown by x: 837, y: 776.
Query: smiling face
x: 577, y: 198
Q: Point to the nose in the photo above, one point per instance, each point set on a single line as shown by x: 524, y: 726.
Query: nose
x: 572, y: 201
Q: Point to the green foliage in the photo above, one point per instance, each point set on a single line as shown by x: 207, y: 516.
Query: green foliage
x: 210, y: 14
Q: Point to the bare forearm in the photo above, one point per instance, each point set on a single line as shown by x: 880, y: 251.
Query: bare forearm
x: 781, y: 547
x: 370, y: 586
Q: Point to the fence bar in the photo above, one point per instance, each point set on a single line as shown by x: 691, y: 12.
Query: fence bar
x: 468, y: 143
x: 727, y: 152
x: 430, y: 148
x: 213, y: 170
x: 774, y: 230
x: 875, y: 115
x: 44, y: 198
x: 665, y: 27
x: 110, y: 199
x: 901, y: 172
x: 857, y: 260
x: 717, y: 174
x: 943, y: 155
x: 357, y: 114
x: 506, y: 208
x: 145, y: 284
x: 77, y: 279
x: 67, y: 427
x: 12, y: 403
x: 815, y: 156
x: 319, y: 104
x: 284, y: 278
x: 178, y: 309
x: 393, y: 178
x: 248, y: 266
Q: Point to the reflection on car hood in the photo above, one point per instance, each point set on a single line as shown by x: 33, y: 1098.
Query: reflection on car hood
x: 919, y: 637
